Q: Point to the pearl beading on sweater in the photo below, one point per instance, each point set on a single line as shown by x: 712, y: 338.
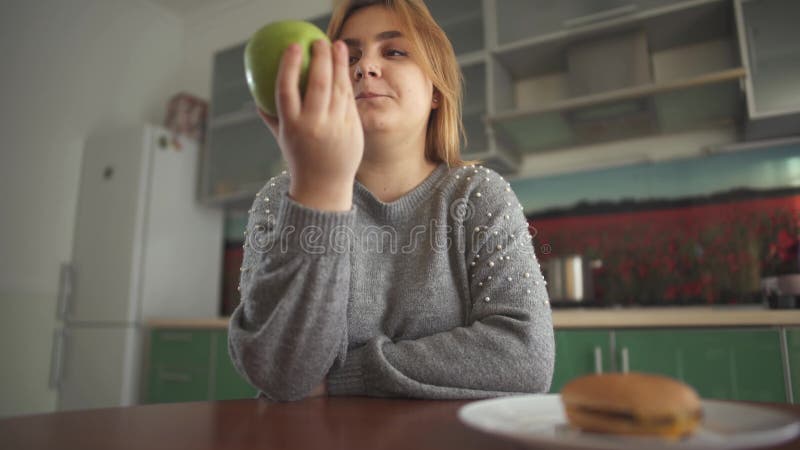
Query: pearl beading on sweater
x: 491, y: 264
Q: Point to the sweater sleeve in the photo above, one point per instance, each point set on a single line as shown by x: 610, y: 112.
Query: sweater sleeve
x: 291, y: 324
x: 506, y: 345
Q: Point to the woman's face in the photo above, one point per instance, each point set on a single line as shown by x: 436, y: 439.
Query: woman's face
x: 392, y: 93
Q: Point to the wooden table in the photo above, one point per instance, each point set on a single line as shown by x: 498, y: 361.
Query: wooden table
x: 321, y: 423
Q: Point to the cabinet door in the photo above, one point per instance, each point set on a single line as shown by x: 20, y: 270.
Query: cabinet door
x: 240, y: 156
x: 770, y: 44
x: 168, y: 385
x: 179, y: 365
x: 580, y: 352
x: 180, y: 348
x: 721, y: 364
x: 462, y: 21
x: 793, y: 346
x: 229, y: 91
x: 474, y: 110
x: 322, y: 22
x: 240, y: 153
x: 228, y: 384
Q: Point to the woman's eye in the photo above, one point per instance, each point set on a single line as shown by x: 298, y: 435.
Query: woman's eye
x: 352, y: 59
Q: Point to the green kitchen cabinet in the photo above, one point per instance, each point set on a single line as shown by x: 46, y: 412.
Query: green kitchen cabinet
x: 228, y: 384
x: 580, y: 352
x: 179, y: 364
x: 180, y: 348
x: 793, y: 347
x: 170, y: 385
x: 742, y: 364
x: 191, y: 365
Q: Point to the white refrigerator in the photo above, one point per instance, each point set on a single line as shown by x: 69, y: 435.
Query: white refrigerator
x: 143, y: 248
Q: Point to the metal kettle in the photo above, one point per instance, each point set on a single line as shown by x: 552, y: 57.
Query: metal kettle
x: 570, y: 278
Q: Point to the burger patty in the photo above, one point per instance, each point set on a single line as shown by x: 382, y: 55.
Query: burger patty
x: 666, y: 420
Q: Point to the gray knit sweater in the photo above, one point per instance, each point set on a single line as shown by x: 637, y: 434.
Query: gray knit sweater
x: 435, y: 295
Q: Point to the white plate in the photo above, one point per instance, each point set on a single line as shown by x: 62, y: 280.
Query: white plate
x: 540, y: 420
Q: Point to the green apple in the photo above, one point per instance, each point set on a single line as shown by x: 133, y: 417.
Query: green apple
x: 262, y: 57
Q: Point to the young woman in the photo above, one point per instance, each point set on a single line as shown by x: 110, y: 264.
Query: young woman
x: 382, y: 264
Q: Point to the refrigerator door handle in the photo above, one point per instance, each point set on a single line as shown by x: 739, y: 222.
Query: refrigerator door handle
x: 57, y: 359
x: 66, y: 282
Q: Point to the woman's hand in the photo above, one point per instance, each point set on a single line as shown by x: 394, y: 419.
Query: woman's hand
x: 320, y: 135
x: 320, y: 391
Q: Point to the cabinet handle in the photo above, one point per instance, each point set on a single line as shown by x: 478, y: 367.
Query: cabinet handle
x: 602, y: 15
x: 176, y: 337
x: 175, y: 377
x: 625, y: 360
x: 598, y: 360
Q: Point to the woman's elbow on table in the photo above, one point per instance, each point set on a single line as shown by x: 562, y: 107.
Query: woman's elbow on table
x: 277, y: 382
x: 524, y: 347
x: 534, y: 357
x: 541, y: 362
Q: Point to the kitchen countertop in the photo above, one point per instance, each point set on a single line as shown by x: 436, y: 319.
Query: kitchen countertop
x: 607, y: 318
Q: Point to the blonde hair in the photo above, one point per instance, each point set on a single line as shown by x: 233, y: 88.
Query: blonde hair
x: 433, y: 52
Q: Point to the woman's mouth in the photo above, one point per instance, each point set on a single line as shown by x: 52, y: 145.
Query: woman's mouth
x: 368, y: 95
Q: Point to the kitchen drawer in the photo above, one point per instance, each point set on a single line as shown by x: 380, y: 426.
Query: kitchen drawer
x: 180, y: 348
x: 167, y: 385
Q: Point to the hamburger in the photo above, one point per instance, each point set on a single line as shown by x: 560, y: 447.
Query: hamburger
x: 632, y: 404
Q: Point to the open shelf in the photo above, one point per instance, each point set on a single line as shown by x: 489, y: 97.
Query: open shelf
x: 669, y: 26
x: 653, y: 108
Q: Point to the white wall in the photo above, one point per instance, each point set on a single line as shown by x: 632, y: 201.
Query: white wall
x: 68, y: 67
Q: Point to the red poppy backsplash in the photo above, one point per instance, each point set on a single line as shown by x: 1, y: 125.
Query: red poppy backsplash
x: 693, y: 251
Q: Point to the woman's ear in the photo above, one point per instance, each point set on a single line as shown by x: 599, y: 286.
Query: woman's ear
x: 436, y: 101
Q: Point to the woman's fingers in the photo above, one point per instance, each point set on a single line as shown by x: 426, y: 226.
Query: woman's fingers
x: 287, y: 92
x: 272, y: 122
x: 318, y: 88
x: 342, y: 91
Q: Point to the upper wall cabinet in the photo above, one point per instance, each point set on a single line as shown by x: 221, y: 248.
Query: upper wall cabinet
x: 547, y: 82
x: 465, y: 24
x: 240, y: 154
x: 462, y: 21
x: 321, y: 22
x: 769, y: 36
x: 588, y: 72
x: 530, y: 19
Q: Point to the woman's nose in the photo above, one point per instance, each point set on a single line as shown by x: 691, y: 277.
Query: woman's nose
x: 366, y: 68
